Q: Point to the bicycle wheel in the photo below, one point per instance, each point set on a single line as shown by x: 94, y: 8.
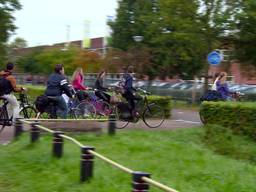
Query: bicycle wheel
x: 120, y: 123
x: 153, y: 115
x: 2, y: 120
x: 28, y: 112
x: 84, y: 110
x: 202, y: 117
x: 103, y: 108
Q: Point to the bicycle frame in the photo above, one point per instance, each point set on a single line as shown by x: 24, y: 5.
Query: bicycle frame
x: 4, y: 115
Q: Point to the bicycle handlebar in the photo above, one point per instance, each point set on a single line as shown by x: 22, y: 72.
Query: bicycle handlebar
x: 144, y: 91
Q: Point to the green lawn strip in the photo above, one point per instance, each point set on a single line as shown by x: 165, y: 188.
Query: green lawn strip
x: 176, y: 158
x: 225, y: 142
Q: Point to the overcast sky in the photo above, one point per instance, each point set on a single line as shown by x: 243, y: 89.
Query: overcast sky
x: 45, y: 21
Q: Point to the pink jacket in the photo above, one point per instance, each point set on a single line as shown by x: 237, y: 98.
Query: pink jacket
x: 78, y: 82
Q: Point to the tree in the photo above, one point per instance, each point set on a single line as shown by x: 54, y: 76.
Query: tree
x: 42, y: 61
x: 178, y: 33
x: 246, y: 33
x: 89, y: 61
x: 7, y: 27
x: 18, y: 43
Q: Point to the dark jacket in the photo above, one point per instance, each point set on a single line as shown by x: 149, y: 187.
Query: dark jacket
x: 128, y: 82
x: 99, y: 85
x: 57, y: 85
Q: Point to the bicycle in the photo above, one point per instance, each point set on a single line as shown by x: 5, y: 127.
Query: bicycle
x: 151, y: 113
x: 102, y: 108
x: 76, y: 109
x: 26, y: 110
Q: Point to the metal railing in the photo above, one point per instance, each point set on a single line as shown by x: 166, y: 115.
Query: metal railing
x: 141, y: 181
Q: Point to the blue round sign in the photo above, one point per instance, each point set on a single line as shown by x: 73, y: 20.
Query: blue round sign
x: 214, y: 58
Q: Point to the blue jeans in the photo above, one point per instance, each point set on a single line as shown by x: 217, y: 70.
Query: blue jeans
x: 62, y: 108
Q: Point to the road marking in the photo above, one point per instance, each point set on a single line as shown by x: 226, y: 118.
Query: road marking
x: 185, y: 121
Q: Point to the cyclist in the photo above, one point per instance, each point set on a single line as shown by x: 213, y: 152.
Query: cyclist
x: 129, y: 90
x: 222, y: 87
x: 57, y: 84
x: 101, y: 90
x: 8, y: 85
x: 77, y: 81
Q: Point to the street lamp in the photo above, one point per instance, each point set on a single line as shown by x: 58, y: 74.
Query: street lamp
x: 137, y: 38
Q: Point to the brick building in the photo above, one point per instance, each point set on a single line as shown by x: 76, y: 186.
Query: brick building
x: 97, y: 44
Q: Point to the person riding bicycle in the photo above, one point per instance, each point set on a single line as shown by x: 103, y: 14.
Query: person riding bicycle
x: 222, y: 87
x: 77, y: 82
x: 57, y: 84
x: 129, y: 90
x: 8, y: 85
x: 101, y: 90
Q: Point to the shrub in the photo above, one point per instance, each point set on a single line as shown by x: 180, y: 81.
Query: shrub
x: 164, y: 102
x: 240, y: 117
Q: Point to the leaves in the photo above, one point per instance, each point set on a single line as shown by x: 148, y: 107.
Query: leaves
x: 7, y: 27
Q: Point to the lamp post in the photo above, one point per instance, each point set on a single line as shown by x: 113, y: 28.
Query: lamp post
x: 137, y: 38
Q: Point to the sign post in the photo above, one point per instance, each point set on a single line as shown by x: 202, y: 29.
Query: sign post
x: 214, y: 58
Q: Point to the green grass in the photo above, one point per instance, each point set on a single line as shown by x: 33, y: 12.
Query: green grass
x: 223, y: 141
x: 185, y: 105
x: 178, y: 159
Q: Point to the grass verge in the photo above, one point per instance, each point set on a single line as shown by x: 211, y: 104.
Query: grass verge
x: 176, y: 158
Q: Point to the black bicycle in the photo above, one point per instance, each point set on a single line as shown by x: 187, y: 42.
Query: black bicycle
x: 151, y: 113
x: 26, y: 110
x: 76, y: 109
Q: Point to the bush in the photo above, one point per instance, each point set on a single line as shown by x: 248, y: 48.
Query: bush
x: 164, y: 102
x: 240, y: 117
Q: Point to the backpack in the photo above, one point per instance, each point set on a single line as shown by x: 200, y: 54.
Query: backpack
x: 211, y: 95
x: 41, y: 103
x: 5, y: 86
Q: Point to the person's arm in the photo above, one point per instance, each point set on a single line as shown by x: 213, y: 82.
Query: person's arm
x: 13, y: 83
x: 65, y: 87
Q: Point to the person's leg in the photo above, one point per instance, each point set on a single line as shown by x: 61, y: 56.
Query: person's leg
x: 106, y: 97
x: 13, y: 103
x: 130, y: 99
x: 62, y: 106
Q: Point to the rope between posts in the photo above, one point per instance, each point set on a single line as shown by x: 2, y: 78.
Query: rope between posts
x: 63, y: 120
x: 25, y: 121
x: 157, y: 184
x: 72, y: 139
x: 111, y: 162
x: 44, y: 128
x: 125, y: 169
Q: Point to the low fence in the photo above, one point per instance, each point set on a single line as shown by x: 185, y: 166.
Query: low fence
x: 141, y: 181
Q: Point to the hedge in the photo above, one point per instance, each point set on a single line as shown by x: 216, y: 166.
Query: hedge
x: 164, y: 102
x: 240, y: 117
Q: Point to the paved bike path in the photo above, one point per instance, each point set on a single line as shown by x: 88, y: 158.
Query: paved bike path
x: 180, y: 119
